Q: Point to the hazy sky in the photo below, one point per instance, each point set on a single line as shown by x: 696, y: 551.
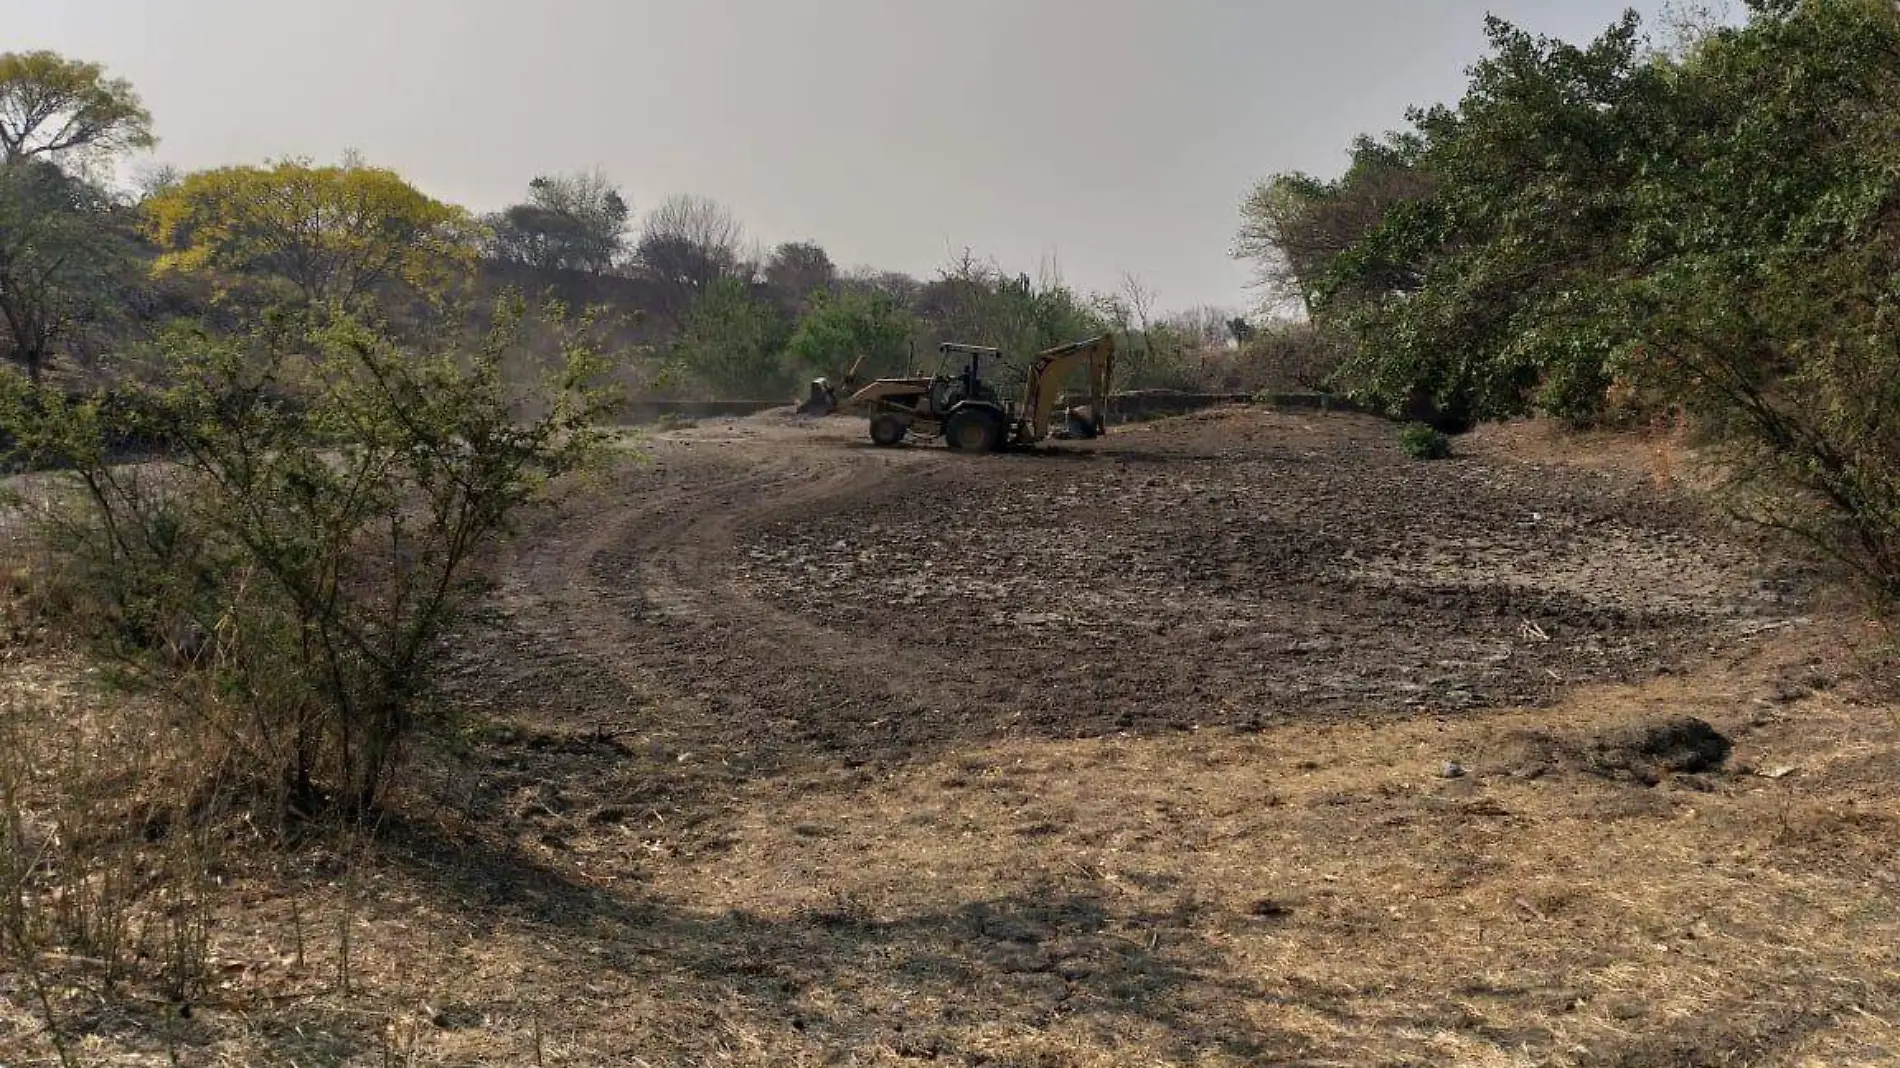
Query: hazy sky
x: 1110, y: 135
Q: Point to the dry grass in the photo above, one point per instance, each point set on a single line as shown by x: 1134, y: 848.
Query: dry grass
x: 1307, y: 894
x: 1323, y: 893
x: 1660, y: 451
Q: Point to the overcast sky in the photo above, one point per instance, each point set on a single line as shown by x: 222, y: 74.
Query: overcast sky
x: 1110, y: 136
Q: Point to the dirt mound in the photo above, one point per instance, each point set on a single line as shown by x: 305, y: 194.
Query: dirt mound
x: 1682, y: 746
x: 1643, y: 753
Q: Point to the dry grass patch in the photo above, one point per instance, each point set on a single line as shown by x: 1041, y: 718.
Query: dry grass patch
x: 1326, y: 895
x: 1317, y: 895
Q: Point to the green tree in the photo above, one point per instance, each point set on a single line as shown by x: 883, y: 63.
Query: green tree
x: 1768, y: 306
x: 51, y: 107
x: 733, y: 342
x: 332, y: 234
x: 798, y: 273
x: 66, y: 263
x: 572, y: 222
x: 978, y: 302
x: 1294, y: 226
x: 841, y: 329
x: 1715, y: 227
x: 1496, y: 293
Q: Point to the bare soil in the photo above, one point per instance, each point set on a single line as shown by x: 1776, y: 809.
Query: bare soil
x: 1227, y: 569
x: 1232, y: 739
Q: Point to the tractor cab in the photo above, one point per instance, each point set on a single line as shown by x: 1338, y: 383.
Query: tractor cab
x: 960, y: 375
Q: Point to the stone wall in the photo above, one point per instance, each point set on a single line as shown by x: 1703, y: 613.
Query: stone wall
x: 1158, y: 403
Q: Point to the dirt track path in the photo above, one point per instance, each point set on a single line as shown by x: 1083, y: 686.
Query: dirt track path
x: 626, y: 615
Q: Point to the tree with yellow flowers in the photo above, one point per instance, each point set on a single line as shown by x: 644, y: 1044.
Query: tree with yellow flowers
x: 333, y: 234
x: 52, y: 107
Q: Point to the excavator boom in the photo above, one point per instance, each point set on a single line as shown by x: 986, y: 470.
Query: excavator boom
x: 1047, y: 373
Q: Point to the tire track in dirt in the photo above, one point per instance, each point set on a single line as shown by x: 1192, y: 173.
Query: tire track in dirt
x: 768, y: 595
x: 626, y: 613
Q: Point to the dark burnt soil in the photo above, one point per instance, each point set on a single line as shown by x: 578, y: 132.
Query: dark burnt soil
x: 765, y: 591
x: 1237, y: 567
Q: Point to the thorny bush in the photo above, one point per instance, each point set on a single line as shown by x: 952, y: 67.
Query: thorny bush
x: 311, y: 528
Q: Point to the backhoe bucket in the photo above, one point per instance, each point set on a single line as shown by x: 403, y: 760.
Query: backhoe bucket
x: 1082, y: 423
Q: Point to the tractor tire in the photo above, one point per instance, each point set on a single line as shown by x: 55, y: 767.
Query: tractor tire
x: 974, y: 430
x: 888, y: 430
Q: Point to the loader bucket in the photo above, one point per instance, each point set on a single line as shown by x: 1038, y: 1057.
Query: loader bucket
x: 820, y: 401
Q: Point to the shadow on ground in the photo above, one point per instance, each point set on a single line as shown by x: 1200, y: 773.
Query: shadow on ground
x: 1049, y: 955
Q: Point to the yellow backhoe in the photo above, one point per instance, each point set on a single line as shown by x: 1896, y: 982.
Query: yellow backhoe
x: 964, y: 407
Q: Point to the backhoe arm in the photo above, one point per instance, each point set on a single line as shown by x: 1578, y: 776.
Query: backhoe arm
x: 1049, y: 369
x: 851, y: 376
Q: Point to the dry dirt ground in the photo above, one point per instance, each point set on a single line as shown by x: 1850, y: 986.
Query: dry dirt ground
x: 1228, y: 740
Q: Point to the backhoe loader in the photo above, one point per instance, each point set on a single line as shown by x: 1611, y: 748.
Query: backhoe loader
x: 964, y: 407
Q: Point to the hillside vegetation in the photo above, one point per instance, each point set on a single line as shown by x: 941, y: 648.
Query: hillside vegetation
x: 1608, y: 231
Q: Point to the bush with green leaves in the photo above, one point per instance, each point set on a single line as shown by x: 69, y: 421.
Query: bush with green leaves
x: 733, y: 343
x: 979, y: 303
x: 1711, y: 229
x: 314, y: 528
x: 1421, y: 441
x: 842, y: 328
